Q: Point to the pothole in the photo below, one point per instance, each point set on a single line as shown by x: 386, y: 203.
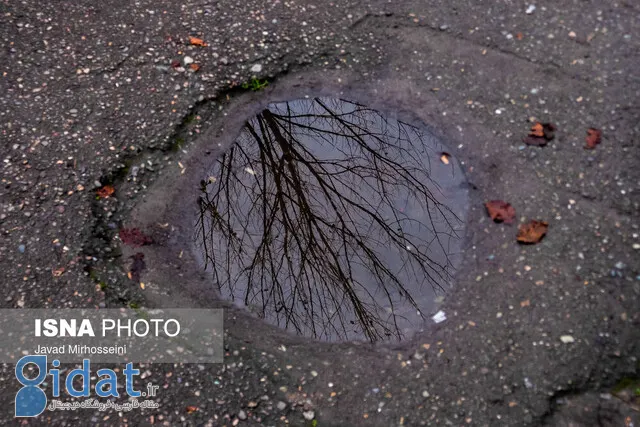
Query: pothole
x: 332, y: 221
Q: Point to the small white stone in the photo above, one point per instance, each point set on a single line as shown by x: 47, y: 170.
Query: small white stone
x: 636, y: 246
x: 187, y: 60
x: 567, y: 339
x: 256, y: 68
x: 308, y: 415
x: 530, y: 9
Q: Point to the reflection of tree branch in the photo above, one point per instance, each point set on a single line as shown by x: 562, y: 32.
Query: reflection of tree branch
x: 304, y: 236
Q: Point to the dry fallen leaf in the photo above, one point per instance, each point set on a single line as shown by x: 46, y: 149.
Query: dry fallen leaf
x: 519, y: 36
x: 594, y: 137
x: 532, y: 232
x: 500, y: 211
x: 537, y: 130
x: 525, y: 303
x: 196, y: 41
x: 134, y: 237
x: 194, y: 67
x: 58, y: 272
x: 191, y: 409
x: 105, y: 191
x: 540, y: 134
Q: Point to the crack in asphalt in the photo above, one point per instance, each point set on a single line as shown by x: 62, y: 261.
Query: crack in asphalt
x: 394, y: 22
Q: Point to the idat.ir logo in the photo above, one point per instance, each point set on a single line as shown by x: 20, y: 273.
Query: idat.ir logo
x: 31, y: 400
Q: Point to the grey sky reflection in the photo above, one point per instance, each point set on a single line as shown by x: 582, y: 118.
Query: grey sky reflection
x: 330, y: 220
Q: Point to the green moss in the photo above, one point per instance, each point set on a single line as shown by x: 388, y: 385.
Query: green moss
x: 178, y: 143
x: 627, y: 383
x: 190, y: 118
x: 93, y: 275
x: 255, y: 84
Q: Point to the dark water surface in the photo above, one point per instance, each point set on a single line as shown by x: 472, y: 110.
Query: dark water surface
x: 332, y: 221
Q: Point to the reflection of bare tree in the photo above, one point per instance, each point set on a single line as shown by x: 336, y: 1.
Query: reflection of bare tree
x: 321, y: 214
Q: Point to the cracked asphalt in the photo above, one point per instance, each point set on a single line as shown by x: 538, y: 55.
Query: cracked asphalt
x: 106, y: 93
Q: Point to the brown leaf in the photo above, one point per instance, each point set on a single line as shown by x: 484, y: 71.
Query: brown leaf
x: 137, y: 267
x: 197, y: 42
x: 500, y: 211
x: 58, y: 272
x: 525, y: 303
x: 549, y: 131
x: 594, y: 137
x: 537, y: 130
x: 105, y: 191
x: 540, y: 134
x: 534, y: 140
x: 175, y: 63
x: 194, y: 67
x: 134, y: 237
x: 532, y: 232
x: 519, y: 36
x: 191, y: 409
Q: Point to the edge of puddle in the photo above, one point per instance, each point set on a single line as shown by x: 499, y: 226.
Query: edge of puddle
x: 179, y: 282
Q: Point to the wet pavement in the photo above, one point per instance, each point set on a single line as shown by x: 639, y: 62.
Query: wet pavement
x: 545, y: 334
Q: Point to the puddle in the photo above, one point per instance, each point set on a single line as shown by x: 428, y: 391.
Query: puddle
x: 332, y: 221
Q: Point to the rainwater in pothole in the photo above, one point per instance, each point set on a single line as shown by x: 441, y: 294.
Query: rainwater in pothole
x: 332, y: 221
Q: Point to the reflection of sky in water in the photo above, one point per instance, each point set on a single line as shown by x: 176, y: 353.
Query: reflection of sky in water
x: 377, y: 163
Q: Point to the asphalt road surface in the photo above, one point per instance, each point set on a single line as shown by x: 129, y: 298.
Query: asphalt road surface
x: 116, y: 93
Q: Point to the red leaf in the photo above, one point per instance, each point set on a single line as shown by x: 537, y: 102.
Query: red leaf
x: 106, y: 191
x: 500, y: 211
x: 594, y: 137
x: 134, y: 237
x: 532, y: 232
